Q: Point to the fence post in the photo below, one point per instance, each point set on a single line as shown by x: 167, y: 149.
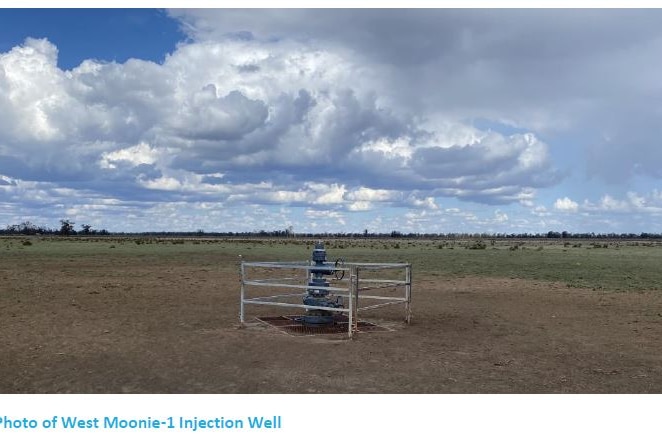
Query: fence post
x: 241, y: 306
x: 408, y: 294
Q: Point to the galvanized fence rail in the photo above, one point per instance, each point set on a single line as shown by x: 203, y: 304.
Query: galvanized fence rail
x: 352, y: 288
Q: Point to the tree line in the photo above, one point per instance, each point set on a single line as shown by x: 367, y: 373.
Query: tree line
x: 68, y: 228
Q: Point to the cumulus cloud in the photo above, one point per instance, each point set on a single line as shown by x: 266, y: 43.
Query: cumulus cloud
x: 132, y: 156
x: 500, y: 217
x: 274, y: 112
x: 360, y: 206
x: 633, y: 203
x: 632, y: 212
x: 566, y: 204
x: 206, y: 116
x: 537, y: 69
x: 27, y: 109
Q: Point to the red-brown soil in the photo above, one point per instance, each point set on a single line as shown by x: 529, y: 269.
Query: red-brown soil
x: 148, y: 325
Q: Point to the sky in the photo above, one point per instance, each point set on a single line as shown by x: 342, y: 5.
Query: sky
x: 332, y: 120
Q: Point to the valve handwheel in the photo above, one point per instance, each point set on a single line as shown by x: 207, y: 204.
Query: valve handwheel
x: 339, y: 274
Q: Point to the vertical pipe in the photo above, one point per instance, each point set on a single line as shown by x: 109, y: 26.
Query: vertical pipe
x: 408, y: 293
x: 241, y: 306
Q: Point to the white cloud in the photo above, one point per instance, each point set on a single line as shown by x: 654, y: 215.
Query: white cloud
x: 609, y: 203
x: 634, y: 203
x: 566, y: 204
x: 399, y: 148
x: 360, y: 206
x: 255, y: 108
x: 32, y: 91
x: 163, y: 183
x: 428, y: 202
x: 513, y: 67
x: 326, y: 218
x: 500, y: 217
x: 206, y: 116
x: 327, y: 194
x: 139, y: 154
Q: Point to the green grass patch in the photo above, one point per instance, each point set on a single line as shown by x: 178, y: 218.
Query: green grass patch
x: 620, y: 267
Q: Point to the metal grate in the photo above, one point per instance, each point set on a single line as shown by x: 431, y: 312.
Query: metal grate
x: 291, y: 324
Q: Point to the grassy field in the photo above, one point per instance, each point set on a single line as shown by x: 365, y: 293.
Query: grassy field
x: 599, y: 265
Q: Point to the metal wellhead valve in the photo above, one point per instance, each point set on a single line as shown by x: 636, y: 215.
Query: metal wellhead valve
x: 317, y: 295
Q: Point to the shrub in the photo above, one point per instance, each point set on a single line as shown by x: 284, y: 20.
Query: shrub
x: 479, y: 245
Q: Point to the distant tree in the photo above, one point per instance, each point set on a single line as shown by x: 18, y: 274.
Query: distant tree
x: 66, y: 227
x: 12, y: 229
x: 85, y: 229
x: 27, y: 227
